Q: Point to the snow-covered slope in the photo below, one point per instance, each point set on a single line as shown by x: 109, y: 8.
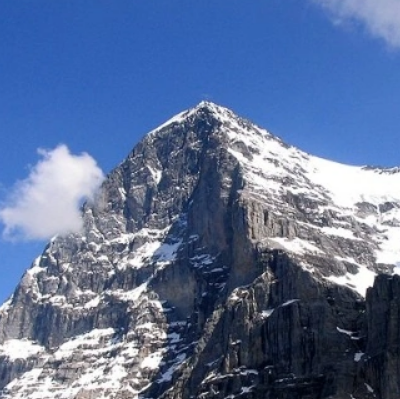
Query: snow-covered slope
x: 211, y: 236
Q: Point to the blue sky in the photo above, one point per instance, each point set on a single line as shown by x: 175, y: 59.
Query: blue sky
x: 96, y: 75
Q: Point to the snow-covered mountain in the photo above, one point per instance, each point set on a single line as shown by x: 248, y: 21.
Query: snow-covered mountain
x: 216, y: 262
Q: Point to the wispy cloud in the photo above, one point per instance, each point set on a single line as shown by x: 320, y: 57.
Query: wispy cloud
x: 47, y: 202
x: 380, y: 17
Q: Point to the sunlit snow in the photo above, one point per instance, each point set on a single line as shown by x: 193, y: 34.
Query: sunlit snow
x: 359, y: 281
x: 20, y: 349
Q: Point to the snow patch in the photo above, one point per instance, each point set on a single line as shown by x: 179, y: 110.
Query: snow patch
x: 358, y: 356
x: 20, y: 349
x: 94, y: 303
x: 339, y: 232
x: 166, y: 253
x: 369, y: 388
x: 267, y: 313
x: 155, y: 173
x: 152, y: 361
x: 359, y: 282
x: 131, y: 295
x: 86, y: 341
x: 167, y: 375
x: 389, y: 248
x: 6, y: 305
x: 35, y: 269
x: 349, y: 185
x: 289, y: 302
x: 347, y: 332
x: 296, y: 245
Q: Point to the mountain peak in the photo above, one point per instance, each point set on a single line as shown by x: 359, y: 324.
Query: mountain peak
x: 215, y: 262
x: 212, y: 107
x: 207, y: 104
x: 219, y: 113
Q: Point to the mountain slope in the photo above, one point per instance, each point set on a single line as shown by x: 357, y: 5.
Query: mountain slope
x: 216, y: 262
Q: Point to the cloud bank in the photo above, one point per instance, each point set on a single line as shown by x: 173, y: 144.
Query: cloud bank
x: 48, y: 201
x: 380, y: 17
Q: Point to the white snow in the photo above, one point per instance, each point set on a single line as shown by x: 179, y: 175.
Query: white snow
x: 93, y: 303
x: 348, y: 259
x: 6, y: 305
x: 20, y: 349
x: 58, y: 300
x: 166, y: 253
x: 358, y: 356
x: 246, y: 389
x: 199, y: 261
x: 167, y: 375
x: 370, y: 389
x: 156, y: 173
x: 29, y: 377
x: 143, y: 254
x: 359, y: 282
x: 152, y: 361
x: 174, y: 120
x: 339, y: 232
x: 389, y: 246
x: 351, y: 184
x: 347, y: 332
x: 131, y: 295
x: 182, y: 116
x: 87, y: 341
x: 108, y: 362
x: 296, y: 245
x: 153, y: 249
x: 289, y: 302
x: 249, y: 371
x: 267, y: 313
x: 174, y: 338
x: 35, y: 269
x: 238, y: 294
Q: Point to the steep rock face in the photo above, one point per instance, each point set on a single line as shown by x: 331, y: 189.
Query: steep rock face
x: 216, y: 262
x: 381, y: 362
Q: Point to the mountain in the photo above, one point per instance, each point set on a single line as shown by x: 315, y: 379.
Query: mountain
x: 215, y: 262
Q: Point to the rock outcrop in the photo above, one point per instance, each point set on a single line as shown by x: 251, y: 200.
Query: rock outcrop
x: 215, y: 262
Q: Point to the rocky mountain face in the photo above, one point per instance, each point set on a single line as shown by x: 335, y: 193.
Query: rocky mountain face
x: 216, y: 262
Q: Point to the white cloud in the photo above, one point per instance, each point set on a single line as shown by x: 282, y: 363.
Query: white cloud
x: 380, y: 17
x: 47, y: 202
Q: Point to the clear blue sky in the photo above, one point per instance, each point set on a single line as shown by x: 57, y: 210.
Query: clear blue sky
x: 96, y: 75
